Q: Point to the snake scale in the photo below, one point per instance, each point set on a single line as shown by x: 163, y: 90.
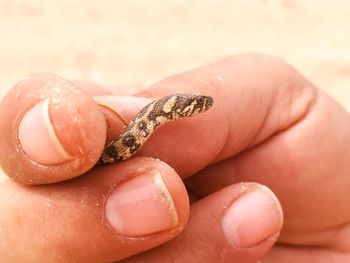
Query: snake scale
x: 146, y: 121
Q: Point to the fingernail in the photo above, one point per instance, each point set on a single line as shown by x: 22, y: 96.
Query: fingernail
x: 141, y: 206
x: 254, y: 217
x: 38, y: 138
x: 124, y: 106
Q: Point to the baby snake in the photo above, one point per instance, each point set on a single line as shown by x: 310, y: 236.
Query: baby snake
x: 146, y: 121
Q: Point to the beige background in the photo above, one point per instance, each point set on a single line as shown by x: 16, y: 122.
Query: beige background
x: 137, y: 42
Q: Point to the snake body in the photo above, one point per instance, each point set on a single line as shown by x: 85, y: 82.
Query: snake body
x: 146, y: 121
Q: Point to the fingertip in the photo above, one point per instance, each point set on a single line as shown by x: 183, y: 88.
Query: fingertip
x: 252, y: 218
x: 51, y: 130
x: 146, y: 205
x: 152, y: 202
x: 119, y: 111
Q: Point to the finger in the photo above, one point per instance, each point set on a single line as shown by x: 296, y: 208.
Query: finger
x: 119, y: 111
x: 239, y: 223
x: 110, y: 213
x: 118, y: 108
x: 50, y: 130
x: 55, y: 132
x: 255, y: 97
x: 92, y: 89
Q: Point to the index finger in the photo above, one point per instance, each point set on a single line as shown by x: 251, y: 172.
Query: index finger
x: 255, y: 97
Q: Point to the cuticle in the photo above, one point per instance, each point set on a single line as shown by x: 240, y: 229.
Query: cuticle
x: 117, y: 114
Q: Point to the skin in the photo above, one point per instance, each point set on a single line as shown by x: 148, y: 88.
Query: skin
x: 269, y: 125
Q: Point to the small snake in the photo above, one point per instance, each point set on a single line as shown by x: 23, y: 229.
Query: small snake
x: 146, y: 121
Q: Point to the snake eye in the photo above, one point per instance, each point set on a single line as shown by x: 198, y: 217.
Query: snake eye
x: 200, y: 100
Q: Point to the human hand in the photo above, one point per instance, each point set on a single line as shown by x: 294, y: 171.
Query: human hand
x: 267, y: 126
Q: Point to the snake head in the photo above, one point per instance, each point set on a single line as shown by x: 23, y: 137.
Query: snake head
x: 187, y: 105
x: 205, y: 101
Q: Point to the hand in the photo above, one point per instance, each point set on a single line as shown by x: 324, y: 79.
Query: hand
x: 268, y: 125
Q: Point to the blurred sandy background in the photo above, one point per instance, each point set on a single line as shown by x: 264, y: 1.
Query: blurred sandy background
x: 138, y: 42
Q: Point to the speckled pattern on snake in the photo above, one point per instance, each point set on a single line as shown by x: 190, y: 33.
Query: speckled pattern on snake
x: 146, y: 121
